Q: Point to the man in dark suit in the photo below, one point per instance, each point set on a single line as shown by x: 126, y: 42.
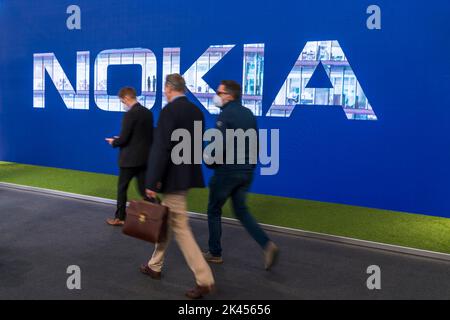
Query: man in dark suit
x: 174, y: 178
x: 134, y: 142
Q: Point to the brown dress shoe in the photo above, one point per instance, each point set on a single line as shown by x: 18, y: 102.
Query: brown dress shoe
x: 115, y: 222
x: 145, y: 269
x: 271, y: 253
x: 198, y: 292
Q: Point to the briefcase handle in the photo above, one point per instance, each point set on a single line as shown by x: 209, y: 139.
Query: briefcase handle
x: 156, y: 200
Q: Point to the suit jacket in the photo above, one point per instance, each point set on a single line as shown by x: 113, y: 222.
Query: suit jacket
x: 162, y: 174
x: 135, y: 138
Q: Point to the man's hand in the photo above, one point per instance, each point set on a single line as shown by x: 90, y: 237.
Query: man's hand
x: 150, y: 193
x: 110, y: 140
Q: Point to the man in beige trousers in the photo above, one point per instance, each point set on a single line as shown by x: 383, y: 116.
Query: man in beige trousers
x: 174, y: 181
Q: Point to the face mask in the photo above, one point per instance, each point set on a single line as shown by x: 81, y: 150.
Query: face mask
x: 124, y: 106
x: 218, y: 102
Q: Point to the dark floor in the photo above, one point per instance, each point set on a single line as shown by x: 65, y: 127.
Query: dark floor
x: 41, y: 235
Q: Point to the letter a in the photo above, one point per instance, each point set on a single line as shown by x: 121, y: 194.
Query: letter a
x: 74, y: 21
x: 374, y: 281
x: 374, y: 21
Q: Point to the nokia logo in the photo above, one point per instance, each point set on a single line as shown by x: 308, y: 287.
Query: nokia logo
x: 318, y: 60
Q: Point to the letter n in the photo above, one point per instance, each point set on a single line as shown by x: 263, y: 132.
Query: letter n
x: 46, y: 63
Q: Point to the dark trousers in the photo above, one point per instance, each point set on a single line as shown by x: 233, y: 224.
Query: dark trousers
x: 125, y: 177
x: 236, y: 186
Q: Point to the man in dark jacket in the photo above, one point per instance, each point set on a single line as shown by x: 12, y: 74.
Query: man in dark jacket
x: 174, y: 179
x: 232, y: 178
x: 134, y: 142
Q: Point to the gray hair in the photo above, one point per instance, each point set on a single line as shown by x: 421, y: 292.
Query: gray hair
x: 176, y: 81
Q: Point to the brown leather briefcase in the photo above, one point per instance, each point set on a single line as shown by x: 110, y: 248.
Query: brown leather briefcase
x: 146, y: 221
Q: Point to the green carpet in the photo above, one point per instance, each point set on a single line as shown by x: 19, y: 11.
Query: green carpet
x: 410, y: 230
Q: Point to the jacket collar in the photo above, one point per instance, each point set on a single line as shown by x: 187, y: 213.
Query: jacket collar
x: 137, y: 104
x: 231, y: 104
x: 178, y: 97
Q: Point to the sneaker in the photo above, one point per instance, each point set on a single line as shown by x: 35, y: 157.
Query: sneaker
x: 213, y: 259
x: 270, y: 255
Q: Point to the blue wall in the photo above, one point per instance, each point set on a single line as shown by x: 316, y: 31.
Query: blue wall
x: 400, y: 162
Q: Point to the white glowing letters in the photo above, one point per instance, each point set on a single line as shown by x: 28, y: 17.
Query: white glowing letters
x: 145, y: 58
x: 47, y: 62
x: 344, y: 90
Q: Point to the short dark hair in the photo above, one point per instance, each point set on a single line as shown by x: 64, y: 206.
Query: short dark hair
x: 176, y: 81
x: 233, y: 88
x: 127, y: 92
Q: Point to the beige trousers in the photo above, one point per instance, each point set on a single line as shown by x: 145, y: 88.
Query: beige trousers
x: 180, y: 228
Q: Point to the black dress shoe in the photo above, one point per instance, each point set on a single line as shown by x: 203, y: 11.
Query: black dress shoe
x: 145, y: 269
x: 199, y: 292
